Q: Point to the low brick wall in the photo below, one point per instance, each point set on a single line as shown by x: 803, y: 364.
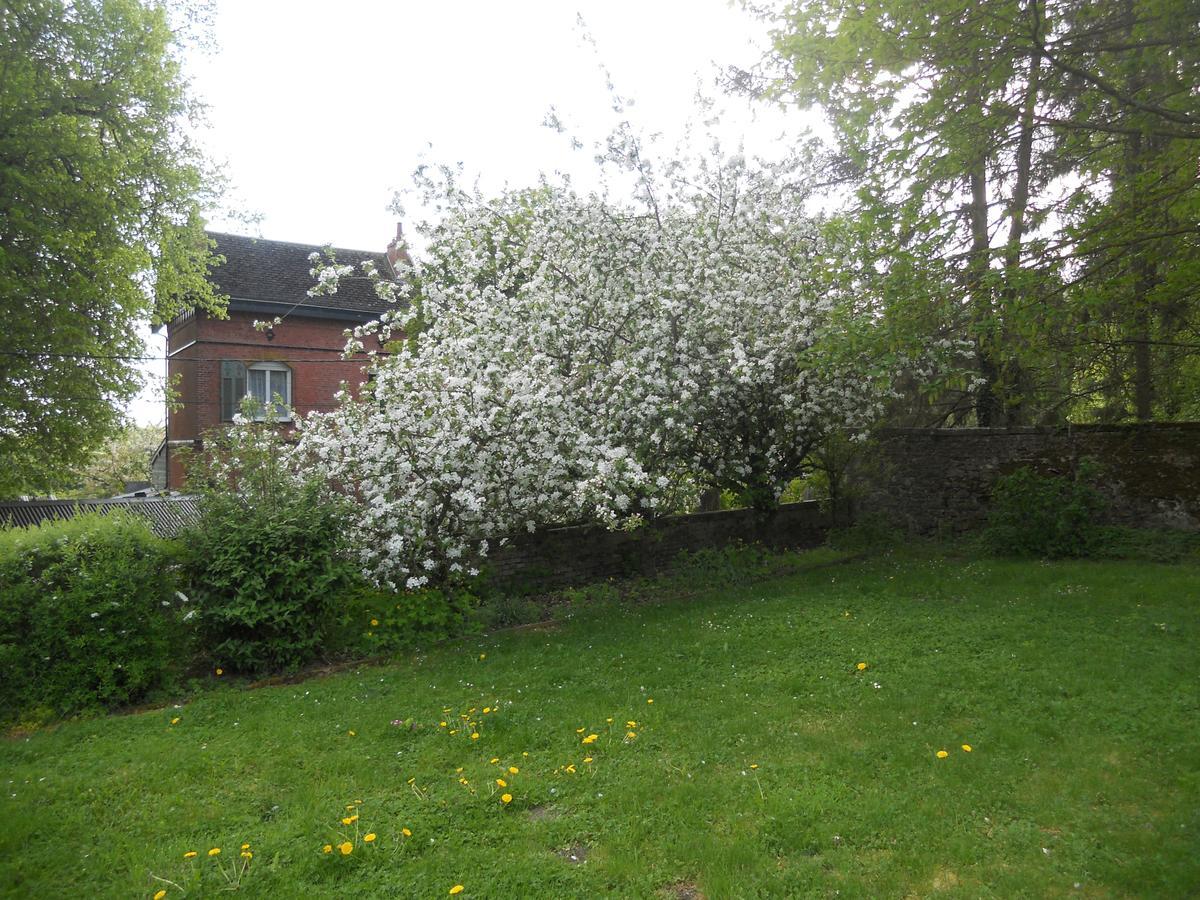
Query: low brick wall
x: 941, y: 479
x: 558, y: 557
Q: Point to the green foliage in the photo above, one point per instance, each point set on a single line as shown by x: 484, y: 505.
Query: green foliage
x: 386, y: 622
x: 1048, y: 516
x: 88, y: 615
x: 266, y: 578
x: 101, y: 186
x: 957, y: 126
x: 266, y: 567
x: 123, y: 458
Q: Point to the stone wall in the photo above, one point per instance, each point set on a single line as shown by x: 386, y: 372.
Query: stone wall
x: 941, y: 479
x: 580, y: 554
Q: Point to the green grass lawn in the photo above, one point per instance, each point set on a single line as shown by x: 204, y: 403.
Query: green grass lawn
x: 1075, y: 684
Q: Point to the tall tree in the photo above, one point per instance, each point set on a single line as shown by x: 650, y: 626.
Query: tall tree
x: 1022, y: 165
x: 100, y: 229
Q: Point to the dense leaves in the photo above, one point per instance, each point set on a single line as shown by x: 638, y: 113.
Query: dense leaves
x: 100, y: 193
x: 265, y: 568
x: 89, y: 616
x: 1024, y: 173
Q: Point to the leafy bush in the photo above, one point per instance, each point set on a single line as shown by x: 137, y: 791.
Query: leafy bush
x: 386, y: 622
x: 1050, y: 516
x: 266, y: 578
x: 88, y: 616
x: 266, y: 570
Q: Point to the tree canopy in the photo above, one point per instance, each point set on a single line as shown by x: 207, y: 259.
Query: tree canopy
x: 101, y: 189
x: 595, y: 358
x: 1025, y: 172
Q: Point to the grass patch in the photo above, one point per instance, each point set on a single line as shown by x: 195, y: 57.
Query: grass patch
x: 1074, y: 683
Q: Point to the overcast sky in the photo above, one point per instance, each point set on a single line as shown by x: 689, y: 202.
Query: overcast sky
x: 320, y: 110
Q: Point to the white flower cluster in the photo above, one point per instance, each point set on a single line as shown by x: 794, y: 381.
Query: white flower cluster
x: 580, y: 359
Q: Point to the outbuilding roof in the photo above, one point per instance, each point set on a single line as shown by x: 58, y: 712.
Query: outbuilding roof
x: 274, y: 277
x: 166, y: 515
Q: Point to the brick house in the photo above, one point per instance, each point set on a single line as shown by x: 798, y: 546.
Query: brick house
x: 214, y: 363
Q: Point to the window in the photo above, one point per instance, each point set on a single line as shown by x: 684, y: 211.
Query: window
x: 233, y: 388
x: 262, y: 381
x: 267, y: 381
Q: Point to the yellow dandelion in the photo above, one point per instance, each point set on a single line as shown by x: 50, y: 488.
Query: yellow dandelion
x: 486, y: 710
x: 245, y: 846
x: 754, y: 765
x: 175, y: 721
x: 220, y: 671
x: 374, y: 623
x: 458, y: 888
x: 350, y: 807
x: 494, y: 760
x: 458, y: 771
x: 474, y: 735
x: 160, y: 895
x: 966, y: 748
x: 454, y: 731
x: 368, y: 838
x: 631, y: 724
x: 513, y: 770
x: 861, y: 666
x: 609, y: 720
x: 406, y: 832
x: 352, y: 732
x: 481, y: 656
x: 441, y: 724
x: 590, y: 739
x: 942, y: 754
x: 587, y: 759
x: 501, y: 782
x: 191, y: 854
x: 580, y: 730
x: 328, y: 848
x: 630, y: 735
x: 215, y: 851
x: 524, y: 752
x: 346, y: 847
x: 506, y: 798
x: 571, y: 768
x: 649, y: 699
x: 246, y: 854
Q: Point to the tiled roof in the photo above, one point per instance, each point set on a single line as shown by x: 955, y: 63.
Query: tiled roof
x: 277, y: 272
x: 167, y: 516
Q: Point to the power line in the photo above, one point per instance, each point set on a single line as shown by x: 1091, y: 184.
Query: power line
x: 24, y: 354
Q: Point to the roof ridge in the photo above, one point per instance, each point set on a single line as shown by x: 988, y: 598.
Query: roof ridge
x: 307, y: 246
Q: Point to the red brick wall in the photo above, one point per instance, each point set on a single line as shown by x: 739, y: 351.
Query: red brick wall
x: 310, y: 347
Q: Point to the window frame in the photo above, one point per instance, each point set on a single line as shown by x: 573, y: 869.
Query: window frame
x: 270, y: 365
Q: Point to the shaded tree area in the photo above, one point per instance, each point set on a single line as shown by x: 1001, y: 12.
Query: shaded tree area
x: 1023, y: 173
x: 101, y: 188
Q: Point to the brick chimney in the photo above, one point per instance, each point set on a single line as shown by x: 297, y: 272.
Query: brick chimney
x: 398, y: 250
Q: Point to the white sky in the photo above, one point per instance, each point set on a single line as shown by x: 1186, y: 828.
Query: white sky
x: 321, y: 110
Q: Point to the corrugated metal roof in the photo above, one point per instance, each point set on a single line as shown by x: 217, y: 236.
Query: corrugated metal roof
x: 167, y: 516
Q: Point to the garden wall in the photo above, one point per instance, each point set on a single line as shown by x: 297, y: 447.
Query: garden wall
x: 940, y: 479
x: 585, y: 553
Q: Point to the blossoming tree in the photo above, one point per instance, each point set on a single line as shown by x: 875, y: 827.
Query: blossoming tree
x: 573, y: 358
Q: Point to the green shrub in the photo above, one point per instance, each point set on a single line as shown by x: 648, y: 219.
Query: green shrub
x: 88, y: 615
x: 1049, y: 516
x: 267, y: 569
x: 267, y: 578
x: 386, y: 622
